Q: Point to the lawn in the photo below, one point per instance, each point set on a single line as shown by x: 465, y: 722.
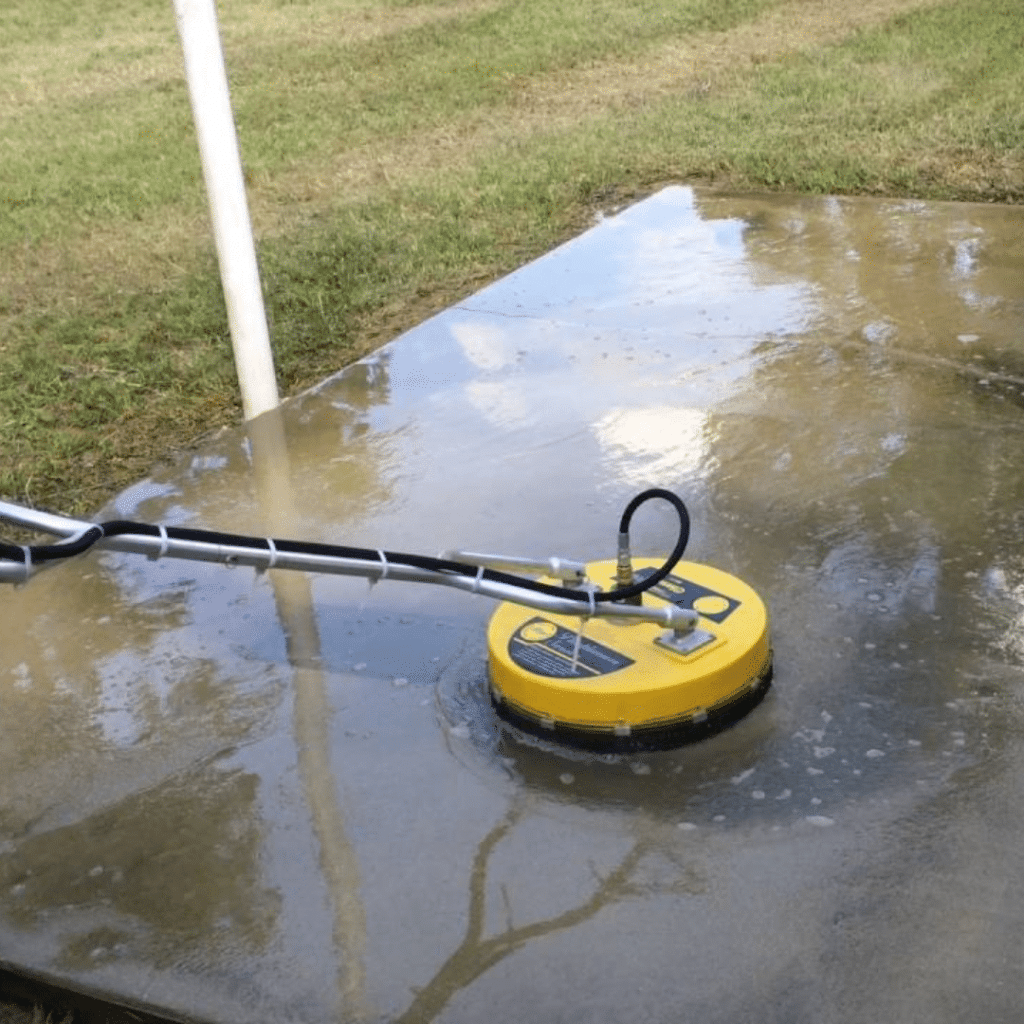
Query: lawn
x: 399, y: 155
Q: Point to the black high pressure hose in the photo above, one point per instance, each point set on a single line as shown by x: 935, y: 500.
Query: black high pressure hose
x: 117, y: 528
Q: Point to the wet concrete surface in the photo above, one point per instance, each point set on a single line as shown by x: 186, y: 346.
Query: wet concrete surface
x: 280, y: 798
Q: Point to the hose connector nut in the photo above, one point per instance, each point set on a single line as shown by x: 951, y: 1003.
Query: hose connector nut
x: 624, y: 570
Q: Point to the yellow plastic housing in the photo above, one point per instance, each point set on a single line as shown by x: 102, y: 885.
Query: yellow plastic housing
x: 625, y: 683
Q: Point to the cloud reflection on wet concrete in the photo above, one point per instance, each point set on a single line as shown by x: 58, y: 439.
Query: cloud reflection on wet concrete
x: 297, y: 797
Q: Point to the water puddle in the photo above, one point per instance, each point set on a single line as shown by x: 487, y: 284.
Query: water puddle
x: 238, y: 796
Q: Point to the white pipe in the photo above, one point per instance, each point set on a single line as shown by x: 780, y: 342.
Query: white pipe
x: 225, y: 188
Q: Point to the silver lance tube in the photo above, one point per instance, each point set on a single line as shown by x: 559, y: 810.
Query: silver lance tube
x: 679, y: 619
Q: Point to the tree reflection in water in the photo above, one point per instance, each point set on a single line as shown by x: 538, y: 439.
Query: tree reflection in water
x: 478, y: 952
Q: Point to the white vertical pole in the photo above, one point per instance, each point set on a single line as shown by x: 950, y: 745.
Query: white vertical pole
x: 225, y: 188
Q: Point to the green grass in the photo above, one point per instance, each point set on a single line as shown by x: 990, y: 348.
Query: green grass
x: 400, y: 155
x: 293, y: 102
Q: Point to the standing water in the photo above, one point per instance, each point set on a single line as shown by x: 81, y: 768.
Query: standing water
x: 237, y: 798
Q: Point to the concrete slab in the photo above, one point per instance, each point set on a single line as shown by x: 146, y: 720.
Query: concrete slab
x: 280, y: 799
